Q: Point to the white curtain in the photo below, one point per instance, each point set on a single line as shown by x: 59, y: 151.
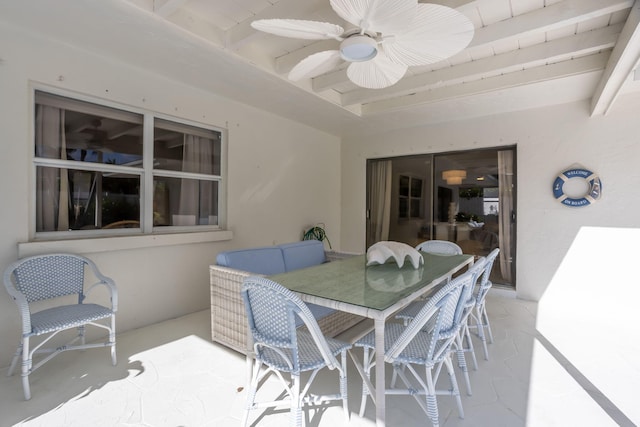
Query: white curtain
x: 505, y: 206
x: 195, y: 195
x: 52, y: 202
x: 380, y: 201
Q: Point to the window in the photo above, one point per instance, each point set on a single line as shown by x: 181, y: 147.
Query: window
x: 410, y: 197
x: 99, y: 168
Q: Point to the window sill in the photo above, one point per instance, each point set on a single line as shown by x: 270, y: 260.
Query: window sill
x: 107, y: 244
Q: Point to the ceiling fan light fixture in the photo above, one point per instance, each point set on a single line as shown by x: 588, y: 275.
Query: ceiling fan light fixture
x: 358, y: 48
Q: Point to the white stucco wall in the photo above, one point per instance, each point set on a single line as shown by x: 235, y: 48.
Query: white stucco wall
x: 548, y: 141
x: 282, y: 178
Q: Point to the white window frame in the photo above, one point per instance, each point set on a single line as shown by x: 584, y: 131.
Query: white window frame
x: 147, y: 235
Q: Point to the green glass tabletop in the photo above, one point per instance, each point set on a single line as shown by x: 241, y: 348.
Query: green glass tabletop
x: 376, y: 286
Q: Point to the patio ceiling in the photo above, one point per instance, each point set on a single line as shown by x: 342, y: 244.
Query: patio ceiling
x: 524, y: 54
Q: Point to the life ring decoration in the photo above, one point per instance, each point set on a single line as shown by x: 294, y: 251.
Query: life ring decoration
x: 593, y: 193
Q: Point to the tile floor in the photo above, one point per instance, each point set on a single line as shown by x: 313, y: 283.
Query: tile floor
x: 170, y: 374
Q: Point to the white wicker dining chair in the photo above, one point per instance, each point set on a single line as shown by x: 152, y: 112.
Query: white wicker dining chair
x: 281, y: 348
x: 442, y: 247
x: 48, y: 279
x: 425, y: 342
x: 463, y: 343
x: 479, y: 319
x: 438, y: 247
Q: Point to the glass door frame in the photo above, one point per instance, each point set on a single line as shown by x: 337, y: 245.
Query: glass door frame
x: 431, y: 216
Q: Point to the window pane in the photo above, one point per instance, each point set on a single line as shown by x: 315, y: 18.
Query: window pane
x: 181, y: 201
x: 180, y: 147
x: 416, y: 187
x: 68, y: 129
x: 403, y: 208
x: 68, y: 199
x: 404, y: 186
x: 415, y: 208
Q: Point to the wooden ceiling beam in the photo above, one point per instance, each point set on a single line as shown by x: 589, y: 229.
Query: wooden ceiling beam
x: 557, y: 15
x: 623, y: 60
x: 587, y: 64
x: 553, y: 51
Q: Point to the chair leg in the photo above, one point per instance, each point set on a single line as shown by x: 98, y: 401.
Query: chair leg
x: 251, y: 392
x: 81, y: 330
x: 394, y: 378
x: 343, y: 386
x: 26, y: 368
x: 462, y: 362
x: 14, y: 360
x: 486, y: 322
x: 454, y: 386
x: 480, y: 328
x: 295, y: 419
x: 366, y: 367
x: 432, y: 402
x: 112, y: 341
x: 470, y: 348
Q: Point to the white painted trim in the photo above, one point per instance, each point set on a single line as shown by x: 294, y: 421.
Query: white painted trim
x: 108, y: 244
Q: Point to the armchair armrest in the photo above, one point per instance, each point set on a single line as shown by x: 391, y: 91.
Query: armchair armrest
x: 103, y: 281
x: 19, y: 298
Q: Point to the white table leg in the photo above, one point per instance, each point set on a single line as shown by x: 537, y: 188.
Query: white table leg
x: 380, y: 375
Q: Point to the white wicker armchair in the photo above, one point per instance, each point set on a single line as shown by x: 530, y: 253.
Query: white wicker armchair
x: 56, y: 278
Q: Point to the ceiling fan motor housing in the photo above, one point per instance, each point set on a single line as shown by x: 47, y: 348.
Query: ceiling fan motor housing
x: 358, y: 48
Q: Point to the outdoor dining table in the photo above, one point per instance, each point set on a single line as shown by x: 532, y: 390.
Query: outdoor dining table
x: 375, y: 292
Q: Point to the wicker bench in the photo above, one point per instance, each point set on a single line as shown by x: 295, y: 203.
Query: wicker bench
x: 228, y: 316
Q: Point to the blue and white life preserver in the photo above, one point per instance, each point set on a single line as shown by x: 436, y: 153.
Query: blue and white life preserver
x: 594, y: 192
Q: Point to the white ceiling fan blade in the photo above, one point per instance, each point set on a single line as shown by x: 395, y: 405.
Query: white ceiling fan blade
x: 383, y: 16
x: 378, y: 73
x: 299, y: 29
x: 316, y: 64
x: 436, y: 33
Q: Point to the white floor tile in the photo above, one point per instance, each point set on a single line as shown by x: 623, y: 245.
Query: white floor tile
x: 171, y: 374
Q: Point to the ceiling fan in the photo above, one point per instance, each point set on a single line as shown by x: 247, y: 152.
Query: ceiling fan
x: 391, y: 35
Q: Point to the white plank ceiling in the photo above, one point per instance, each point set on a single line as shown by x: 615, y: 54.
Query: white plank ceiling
x: 524, y: 54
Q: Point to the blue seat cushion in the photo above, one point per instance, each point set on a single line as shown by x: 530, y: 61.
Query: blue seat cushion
x: 265, y: 261
x: 302, y: 254
x: 318, y: 312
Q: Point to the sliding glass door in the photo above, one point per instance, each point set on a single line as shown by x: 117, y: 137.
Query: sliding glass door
x: 464, y: 197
